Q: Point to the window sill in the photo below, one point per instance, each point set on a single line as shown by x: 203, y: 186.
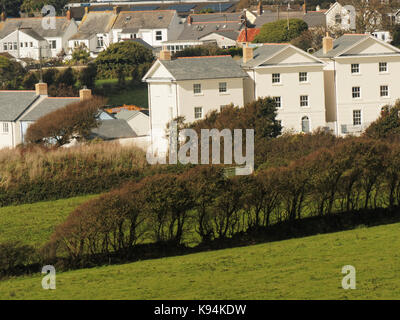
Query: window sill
x: 383, y: 73
x: 304, y: 83
x: 198, y: 94
x: 277, y: 84
x: 356, y: 74
x: 224, y: 93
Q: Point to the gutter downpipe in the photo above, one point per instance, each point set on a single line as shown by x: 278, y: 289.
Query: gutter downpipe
x: 336, y: 102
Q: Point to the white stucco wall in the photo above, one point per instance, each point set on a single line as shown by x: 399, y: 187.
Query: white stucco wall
x: 369, y: 80
x: 32, y: 51
x: 290, y: 89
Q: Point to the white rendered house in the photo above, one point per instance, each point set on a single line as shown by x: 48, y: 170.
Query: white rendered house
x: 294, y: 78
x: 361, y: 76
x: 192, y: 87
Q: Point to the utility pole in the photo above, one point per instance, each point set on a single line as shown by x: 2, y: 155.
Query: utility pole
x: 40, y: 63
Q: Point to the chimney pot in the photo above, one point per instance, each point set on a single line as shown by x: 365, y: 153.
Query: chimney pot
x: 189, y: 20
x: 41, y: 89
x: 69, y: 15
x: 3, y: 16
x: 85, y: 94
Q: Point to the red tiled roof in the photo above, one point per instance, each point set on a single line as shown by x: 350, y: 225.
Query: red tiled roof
x: 251, y: 34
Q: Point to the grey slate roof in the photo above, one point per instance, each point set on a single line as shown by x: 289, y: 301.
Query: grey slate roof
x: 197, y: 68
x: 14, y: 103
x: 32, y: 33
x: 198, y: 31
x: 113, y: 129
x: 315, y: 19
x: 144, y: 19
x: 217, y: 17
x: 341, y: 44
x: 126, y: 114
x: 230, y: 34
x: 95, y: 22
x: 263, y: 53
x: 46, y: 106
x: 12, y: 24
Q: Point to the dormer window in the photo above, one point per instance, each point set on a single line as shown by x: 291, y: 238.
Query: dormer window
x: 338, y: 19
x: 158, y: 35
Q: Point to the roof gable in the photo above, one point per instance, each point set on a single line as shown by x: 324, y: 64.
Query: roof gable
x: 280, y: 54
x: 158, y: 71
x: 371, y: 46
x: 292, y: 55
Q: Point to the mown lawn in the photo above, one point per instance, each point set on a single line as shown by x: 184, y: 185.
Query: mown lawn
x: 34, y: 223
x: 308, y: 268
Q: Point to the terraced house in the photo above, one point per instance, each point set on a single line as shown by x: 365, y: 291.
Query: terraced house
x: 294, y: 78
x: 361, y: 76
x: 192, y: 87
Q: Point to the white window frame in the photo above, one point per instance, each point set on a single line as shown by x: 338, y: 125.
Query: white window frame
x: 197, y: 88
x: 355, y: 68
x: 384, y: 89
x: 303, y: 77
x: 100, y: 41
x: 223, y: 87
x: 304, y: 101
x: 381, y: 64
x: 159, y: 36
x: 5, y: 128
x: 278, y: 101
x: 276, y: 78
x: 357, y: 118
x: 356, y: 94
x: 198, y: 113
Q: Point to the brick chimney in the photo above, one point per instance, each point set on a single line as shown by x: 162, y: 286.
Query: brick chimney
x: 85, y: 94
x: 165, y: 54
x: 327, y: 43
x: 68, y: 15
x: 189, y: 20
x: 247, y: 53
x: 259, y: 8
x: 3, y: 16
x: 41, y: 89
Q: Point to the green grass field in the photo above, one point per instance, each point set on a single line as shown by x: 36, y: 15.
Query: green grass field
x: 308, y: 268
x: 34, y: 223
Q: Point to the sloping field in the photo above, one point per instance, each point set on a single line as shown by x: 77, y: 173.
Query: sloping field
x: 34, y: 223
x: 308, y: 268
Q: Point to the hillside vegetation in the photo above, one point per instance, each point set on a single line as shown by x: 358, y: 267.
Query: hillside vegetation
x: 308, y: 268
x: 33, y: 224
